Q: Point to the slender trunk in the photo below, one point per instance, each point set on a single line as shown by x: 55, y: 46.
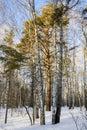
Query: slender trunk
x: 7, y: 105
x: 70, y: 94
x: 40, y: 87
x: 41, y: 95
x: 59, y: 98
x: 68, y: 91
x: 85, y: 88
x: 73, y: 79
x: 37, y: 105
x: 32, y: 95
x: 48, y: 94
x: 28, y: 114
x: 55, y: 82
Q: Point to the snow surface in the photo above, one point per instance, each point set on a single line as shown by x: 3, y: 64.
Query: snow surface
x: 19, y: 120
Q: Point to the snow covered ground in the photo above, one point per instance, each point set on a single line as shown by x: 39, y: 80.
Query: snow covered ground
x: 20, y: 121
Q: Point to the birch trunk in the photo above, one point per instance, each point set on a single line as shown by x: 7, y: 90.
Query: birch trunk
x: 55, y: 81
x: 40, y: 87
x: 41, y: 95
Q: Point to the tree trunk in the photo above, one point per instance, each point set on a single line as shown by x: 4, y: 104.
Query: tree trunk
x: 40, y: 87
x: 7, y: 104
x: 59, y: 98
x: 55, y: 81
x: 32, y: 94
x: 48, y: 94
x: 41, y: 95
x: 85, y: 87
x: 37, y: 105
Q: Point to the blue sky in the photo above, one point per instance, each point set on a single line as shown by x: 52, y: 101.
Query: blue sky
x: 10, y: 8
x: 12, y: 13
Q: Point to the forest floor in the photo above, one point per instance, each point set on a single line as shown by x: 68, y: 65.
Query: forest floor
x: 19, y: 120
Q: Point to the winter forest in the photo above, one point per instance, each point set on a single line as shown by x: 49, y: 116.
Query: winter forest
x: 43, y: 64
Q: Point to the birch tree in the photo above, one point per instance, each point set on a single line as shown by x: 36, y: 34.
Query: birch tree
x: 63, y: 8
x: 40, y: 76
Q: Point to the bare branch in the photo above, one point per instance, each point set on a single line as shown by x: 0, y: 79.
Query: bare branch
x: 74, y: 5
